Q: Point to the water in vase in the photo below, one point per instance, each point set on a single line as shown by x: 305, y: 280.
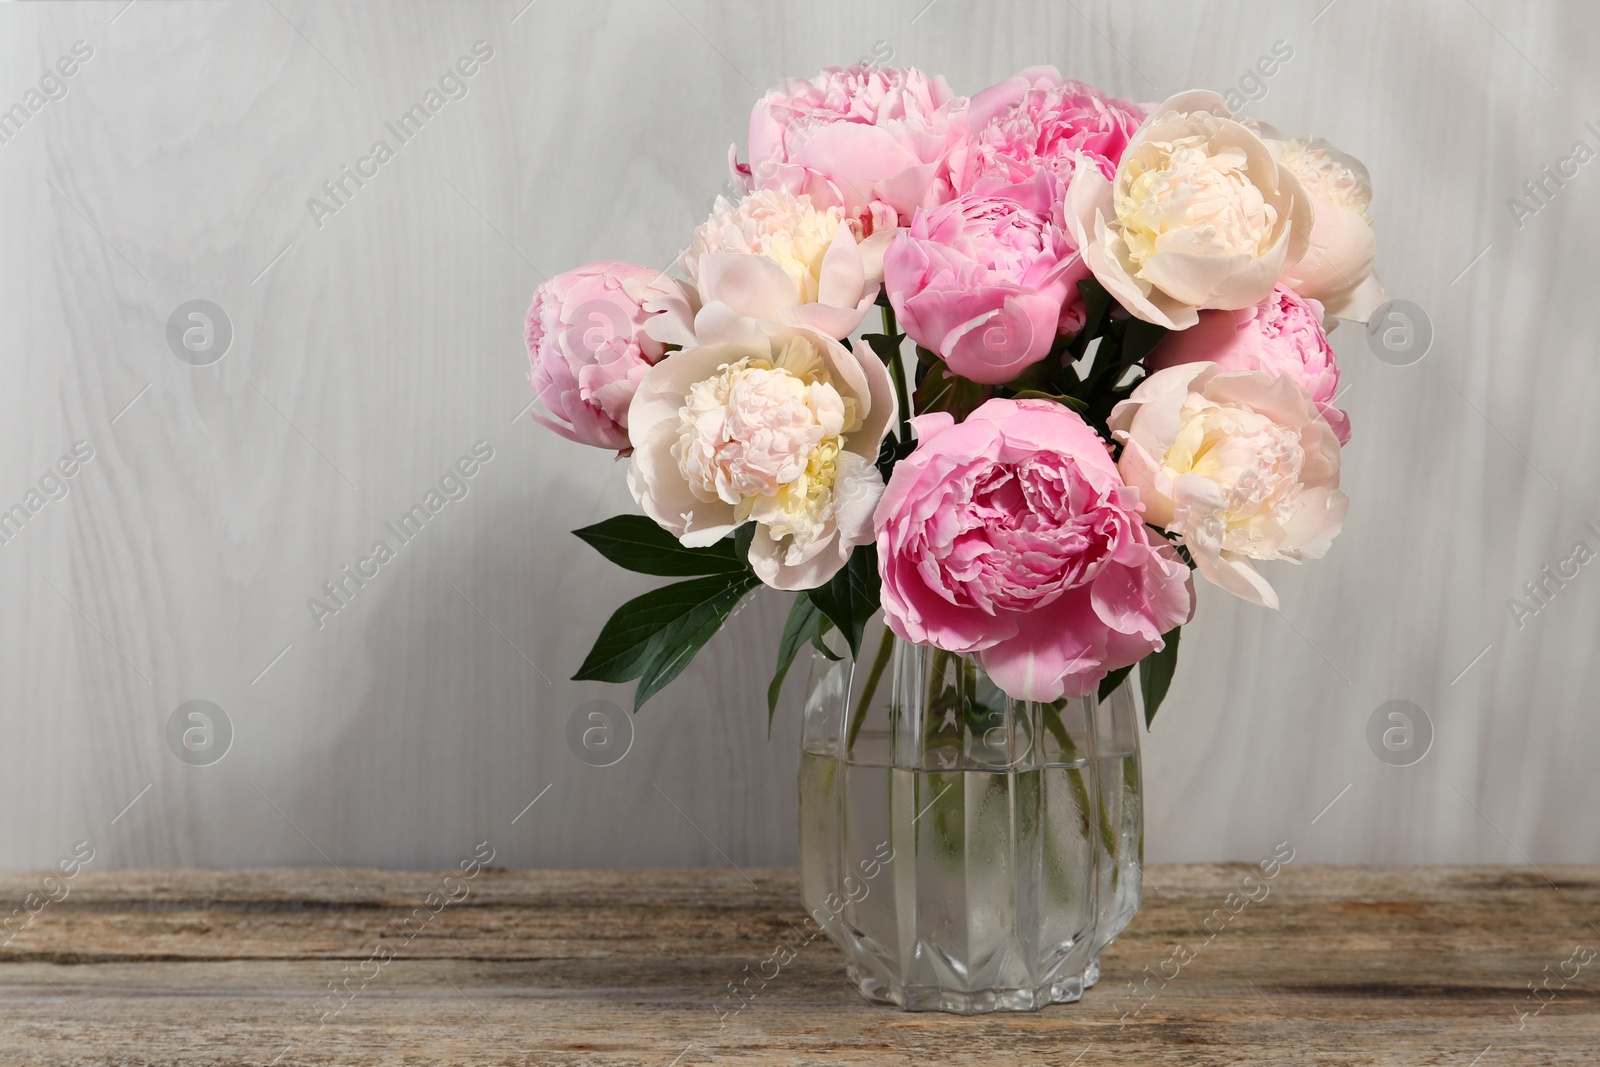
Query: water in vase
x: 966, y: 890
x: 967, y: 851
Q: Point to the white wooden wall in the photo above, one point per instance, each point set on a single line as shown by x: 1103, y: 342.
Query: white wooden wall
x: 373, y: 351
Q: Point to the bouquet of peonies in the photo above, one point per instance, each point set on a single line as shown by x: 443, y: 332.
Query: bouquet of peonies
x: 1120, y: 375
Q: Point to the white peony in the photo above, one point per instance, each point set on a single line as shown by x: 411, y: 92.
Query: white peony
x: 774, y: 256
x: 1337, y: 266
x: 775, y: 425
x: 772, y: 223
x: 1239, y: 464
x: 1200, y: 215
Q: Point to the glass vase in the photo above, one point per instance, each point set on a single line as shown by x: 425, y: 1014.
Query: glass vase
x: 966, y: 851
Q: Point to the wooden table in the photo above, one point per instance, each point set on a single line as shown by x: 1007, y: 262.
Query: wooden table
x: 1336, y: 965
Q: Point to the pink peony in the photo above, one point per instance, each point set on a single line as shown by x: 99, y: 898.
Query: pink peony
x: 1282, y: 336
x: 872, y: 140
x: 1012, y: 536
x: 589, y: 350
x: 1039, y: 120
x: 988, y: 280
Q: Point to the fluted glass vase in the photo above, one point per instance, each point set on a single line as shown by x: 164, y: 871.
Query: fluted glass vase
x: 967, y: 852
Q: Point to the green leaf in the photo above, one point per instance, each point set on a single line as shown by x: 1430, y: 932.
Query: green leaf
x: 1096, y: 302
x: 638, y: 544
x: 851, y: 596
x: 1155, y: 674
x: 672, y: 647
x: 880, y: 663
x: 892, y: 451
x: 1109, y: 683
x: 1043, y: 375
x: 805, y: 624
x: 820, y: 645
x: 742, y: 536
x: 940, y: 390
x: 1139, y: 339
x: 627, y: 642
x: 887, y: 346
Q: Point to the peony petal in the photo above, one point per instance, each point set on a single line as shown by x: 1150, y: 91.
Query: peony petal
x: 753, y: 285
x: 1320, y: 441
x: 1301, y: 216
x: 1059, y: 653
x: 1014, y: 333
x: 857, y: 489
x: 1088, y: 196
x: 842, y: 278
x: 1319, y: 520
x: 1225, y: 338
x: 1191, y: 101
x: 909, y: 189
x: 1140, y: 604
x: 989, y: 104
x: 1104, y: 259
x: 672, y: 304
x: 1212, y: 281
x: 1361, y: 303
x: 872, y: 252
x: 674, y: 326
x: 719, y: 324
x: 660, y: 489
x: 881, y: 406
x: 1142, y: 471
x: 1283, y: 400
x: 1338, y: 256
x: 855, y: 156
x: 661, y: 393
x: 836, y: 322
x: 1233, y: 572
x: 588, y: 427
x: 846, y: 366
x: 930, y: 424
x: 1152, y: 411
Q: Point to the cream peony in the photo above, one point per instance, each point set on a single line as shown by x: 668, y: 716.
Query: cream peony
x: 1337, y: 266
x: 1199, y: 215
x: 779, y: 426
x: 770, y: 222
x: 772, y: 256
x: 1240, y: 465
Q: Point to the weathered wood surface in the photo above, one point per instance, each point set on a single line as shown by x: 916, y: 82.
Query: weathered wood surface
x: 1334, y: 966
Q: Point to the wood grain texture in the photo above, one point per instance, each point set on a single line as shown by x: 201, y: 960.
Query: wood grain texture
x: 372, y: 351
x: 1333, y: 966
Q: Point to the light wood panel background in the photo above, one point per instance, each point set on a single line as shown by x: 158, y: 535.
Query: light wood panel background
x: 371, y: 353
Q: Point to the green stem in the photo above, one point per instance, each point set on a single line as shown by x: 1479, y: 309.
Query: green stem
x: 971, y: 713
x: 934, y: 704
x: 879, y: 663
x: 1051, y: 713
x: 897, y: 370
